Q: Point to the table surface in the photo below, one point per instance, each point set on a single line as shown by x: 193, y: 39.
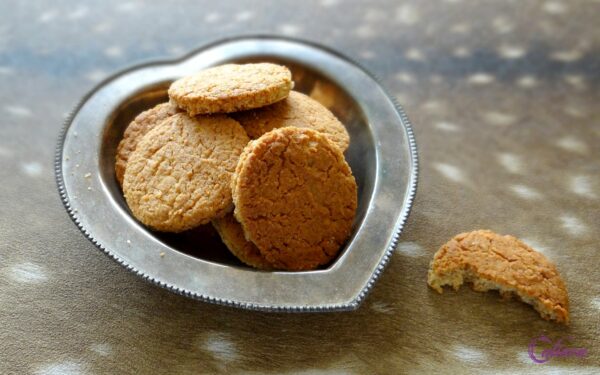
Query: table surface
x: 504, y: 101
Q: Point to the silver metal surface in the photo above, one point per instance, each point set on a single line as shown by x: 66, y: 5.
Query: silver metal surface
x: 382, y: 155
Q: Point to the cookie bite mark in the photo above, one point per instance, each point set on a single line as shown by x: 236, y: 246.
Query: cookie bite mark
x: 296, y: 110
x: 295, y: 197
x: 490, y: 261
x: 231, y: 88
x: 180, y: 173
x: 141, y: 125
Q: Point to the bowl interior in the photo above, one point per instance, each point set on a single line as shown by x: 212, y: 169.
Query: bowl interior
x: 203, y: 242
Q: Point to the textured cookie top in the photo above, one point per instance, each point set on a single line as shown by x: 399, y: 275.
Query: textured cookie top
x: 507, y: 263
x: 136, y: 130
x: 295, y: 197
x: 179, y: 175
x: 296, y: 110
x: 232, y: 88
x: 232, y: 234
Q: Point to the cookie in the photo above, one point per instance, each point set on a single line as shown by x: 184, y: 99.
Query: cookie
x: 493, y: 262
x: 296, y: 110
x: 325, y: 93
x: 180, y: 173
x: 136, y: 130
x: 295, y: 197
x: 232, y: 235
x: 231, y: 88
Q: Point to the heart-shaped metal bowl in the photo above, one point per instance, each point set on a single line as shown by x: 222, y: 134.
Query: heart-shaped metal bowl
x: 382, y: 155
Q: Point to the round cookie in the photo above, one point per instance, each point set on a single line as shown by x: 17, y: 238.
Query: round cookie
x: 231, y: 88
x: 232, y: 234
x: 494, y: 262
x: 295, y: 197
x: 136, y: 130
x: 180, y: 173
x: 296, y: 110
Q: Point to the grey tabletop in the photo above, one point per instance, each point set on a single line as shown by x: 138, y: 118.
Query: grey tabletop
x: 503, y: 97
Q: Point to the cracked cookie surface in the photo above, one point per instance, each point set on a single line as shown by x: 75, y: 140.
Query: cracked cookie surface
x: 232, y: 235
x: 231, y: 88
x: 136, y: 130
x: 295, y: 197
x: 180, y: 173
x: 296, y: 110
x: 494, y: 262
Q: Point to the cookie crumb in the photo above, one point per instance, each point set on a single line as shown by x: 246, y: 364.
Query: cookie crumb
x: 128, y: 242
x: 76, y: 165
x: 87, y: 175
x: 162, y: 254
x: 89, y: 188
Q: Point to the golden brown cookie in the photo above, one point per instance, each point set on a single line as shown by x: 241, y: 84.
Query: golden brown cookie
x: 295, y: 197
x: 296, y: 110
x: 179, y: 175
x: 231, y: 88
x: 232, y: 234
x: 325, y: 93
x: 136, y: 130
x: 493, y: 262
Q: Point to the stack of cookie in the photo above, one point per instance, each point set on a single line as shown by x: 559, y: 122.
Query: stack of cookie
x: 284, y: 200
